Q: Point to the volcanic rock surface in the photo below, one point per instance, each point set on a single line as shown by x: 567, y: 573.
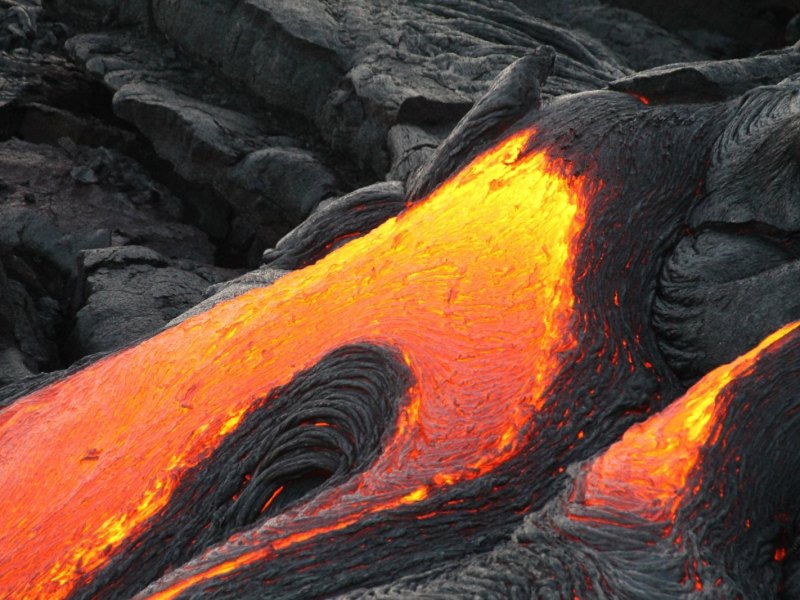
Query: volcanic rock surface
x: 158, y: 157
x: 249, y: 117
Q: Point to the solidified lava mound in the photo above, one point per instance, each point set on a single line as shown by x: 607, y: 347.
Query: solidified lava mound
x: 401, y: 299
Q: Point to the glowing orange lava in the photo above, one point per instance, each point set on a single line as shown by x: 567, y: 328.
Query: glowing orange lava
x: 646, y: 472
x: 473, y: 286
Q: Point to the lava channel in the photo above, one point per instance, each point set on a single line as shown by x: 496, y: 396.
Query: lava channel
x: 481, y: 313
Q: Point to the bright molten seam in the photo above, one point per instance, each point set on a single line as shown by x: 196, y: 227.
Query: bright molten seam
x: 646, y: 472
x: 473, y: 286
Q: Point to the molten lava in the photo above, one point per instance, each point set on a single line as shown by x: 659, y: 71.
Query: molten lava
x: 647, y: 471
x: 473, y: 286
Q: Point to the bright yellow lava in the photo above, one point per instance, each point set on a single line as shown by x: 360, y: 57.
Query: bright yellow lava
x: 473, y: 286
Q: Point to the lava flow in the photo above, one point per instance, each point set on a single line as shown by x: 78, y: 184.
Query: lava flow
x: 472, y: 286
x: 696, y: 501
x: 646, y: 472
x: 699, y: 501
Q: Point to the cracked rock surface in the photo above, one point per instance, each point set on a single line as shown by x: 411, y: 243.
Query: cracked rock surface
x: 132, y: 291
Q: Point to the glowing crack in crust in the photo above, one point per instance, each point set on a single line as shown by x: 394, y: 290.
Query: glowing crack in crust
x: 473, y: 286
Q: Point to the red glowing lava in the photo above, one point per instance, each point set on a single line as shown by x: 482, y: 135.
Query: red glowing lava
x: 647, y: 471
x: 473, y: 286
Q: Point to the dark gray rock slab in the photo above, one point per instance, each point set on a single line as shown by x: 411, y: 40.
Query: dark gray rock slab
x: 32, y: 77
x: 38, y: 234
x: 50, y: 212
x: 132, y: 292
x: 28, y: 318
x: 199, y: 139
x: 293, y: 179
x: 706, y: 81
x: 260, y: 181
x: 639, y: 42
x: 365, y: 67
x: 271, y: 190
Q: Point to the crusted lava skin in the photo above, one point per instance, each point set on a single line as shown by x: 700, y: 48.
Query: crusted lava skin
x: 650, y: 161
x: 638, y: 168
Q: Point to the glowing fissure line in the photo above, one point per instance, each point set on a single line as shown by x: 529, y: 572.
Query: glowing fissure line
x: 646, y: 471
x: 491, y: 249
